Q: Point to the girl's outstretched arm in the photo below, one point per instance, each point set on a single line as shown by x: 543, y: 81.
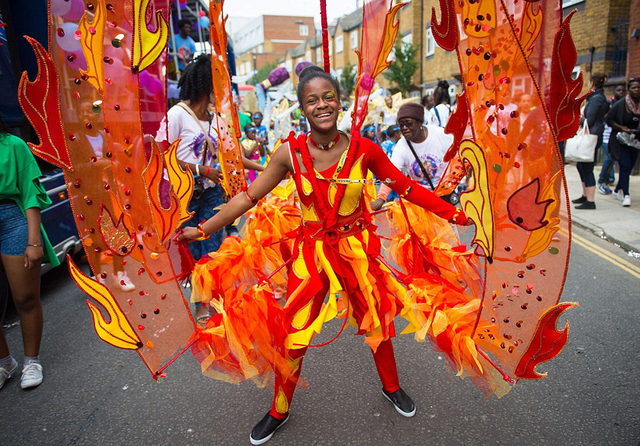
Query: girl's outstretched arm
x: 278, y: 167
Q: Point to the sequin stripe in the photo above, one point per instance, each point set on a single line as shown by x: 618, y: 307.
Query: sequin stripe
x: 300, y: 145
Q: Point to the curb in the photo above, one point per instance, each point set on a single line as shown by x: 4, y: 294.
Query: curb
x: 598, y: 231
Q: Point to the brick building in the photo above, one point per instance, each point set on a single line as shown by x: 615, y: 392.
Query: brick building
x: 267, y: 38
x: 633, y: 54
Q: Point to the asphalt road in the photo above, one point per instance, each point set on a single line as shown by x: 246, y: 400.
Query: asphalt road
x: 94, y: 394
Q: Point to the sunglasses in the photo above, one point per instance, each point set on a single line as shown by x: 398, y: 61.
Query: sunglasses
x: 407, y: 124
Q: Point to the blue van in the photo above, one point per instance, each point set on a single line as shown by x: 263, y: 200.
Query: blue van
x: 58, y: 220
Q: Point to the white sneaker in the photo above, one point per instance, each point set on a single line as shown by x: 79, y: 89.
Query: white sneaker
x: 619, y: 195
x: 124, y: 282
x: 31, y: 375
x: 626, y: 201
x: 6, y: 372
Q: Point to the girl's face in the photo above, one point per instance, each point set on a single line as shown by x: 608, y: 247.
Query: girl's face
x: 251, y: 134
x: 320, y: 104
x: 619, y: 92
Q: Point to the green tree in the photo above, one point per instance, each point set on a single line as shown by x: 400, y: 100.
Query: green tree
x: 347, y: 79
x: 263, y: 73
x: 403, y: 67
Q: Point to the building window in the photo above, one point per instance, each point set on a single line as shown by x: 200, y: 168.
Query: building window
x: 319, y: 54
x: 307, y: 56
x: 430, y: 43
x: 288, y: 64
x: 304, y: 30
x: 339, y: 44
x: 354, y: 40
x: 260, y: 49
x: 452, y: 91
x: 567, y: 3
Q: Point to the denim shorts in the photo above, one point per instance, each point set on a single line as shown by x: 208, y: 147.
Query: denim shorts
x: 14, y: 233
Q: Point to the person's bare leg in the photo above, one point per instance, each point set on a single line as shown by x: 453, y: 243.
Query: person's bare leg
x: 25, y: 290
x: 589, y: 192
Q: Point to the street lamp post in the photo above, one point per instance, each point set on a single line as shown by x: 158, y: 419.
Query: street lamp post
x: 255, y: 73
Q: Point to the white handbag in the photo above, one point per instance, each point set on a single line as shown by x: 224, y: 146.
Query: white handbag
x: 582, y: 147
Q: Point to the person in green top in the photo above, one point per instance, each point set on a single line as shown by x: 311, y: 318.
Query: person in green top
x: 23, y: 246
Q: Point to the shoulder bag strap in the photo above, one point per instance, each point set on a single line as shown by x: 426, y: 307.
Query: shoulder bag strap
x: 424, y: 171
x: 186, y: 108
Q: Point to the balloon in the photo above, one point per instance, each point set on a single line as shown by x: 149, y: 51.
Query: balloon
x: 154, y: 86
x: 66, y: 38
x: 143, y: 79
x: 173, y: 92
x: 201, y: 14
x: 204, y: 22
x: 60, y: 7
x: 75, y: 12
x: 78, y: 61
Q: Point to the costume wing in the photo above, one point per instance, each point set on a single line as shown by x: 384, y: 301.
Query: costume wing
x: 517, y: 197
x: 96, y: 105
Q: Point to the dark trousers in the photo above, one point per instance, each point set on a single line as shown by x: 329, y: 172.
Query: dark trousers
x: 627, y: 159
x: 586, y: 173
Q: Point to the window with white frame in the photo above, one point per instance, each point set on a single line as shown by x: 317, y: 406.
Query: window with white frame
x: 430, y: 43
x: 307, y: 55
x: 567, y: 3
x: 319, y: 54
x: 330, y: 49
x: 288, y: 64
x: 354, y: 39
x: 452, y: 91
x: 260, y: 49
x: 242, y: 70
x: 304, y: 30
x: 339, y: 44
x: 247, y: 67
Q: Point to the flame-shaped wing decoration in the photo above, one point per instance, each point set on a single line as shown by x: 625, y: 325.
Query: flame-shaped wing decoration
x: 117, y: 332
x: 91, y: 41
x: 476, y: 202
x: 380, y: 29
x: 547, y: 342
x: 41, y: 104
x: 167, y: 219
x: 564, y: 102
x: 116, y: 235
x: 147, y: 45
x: 227, y: 122
x: 181, y: 181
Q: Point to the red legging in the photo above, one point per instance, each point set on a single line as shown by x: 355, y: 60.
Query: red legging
x: 283, y: 393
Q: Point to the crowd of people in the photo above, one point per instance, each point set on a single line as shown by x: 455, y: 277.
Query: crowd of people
x: 616, y: 122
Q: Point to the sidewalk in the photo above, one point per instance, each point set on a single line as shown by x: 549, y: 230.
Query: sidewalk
x: 619, y: 224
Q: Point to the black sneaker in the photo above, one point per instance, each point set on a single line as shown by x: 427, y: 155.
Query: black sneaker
x: 264, y: 430
x: 580, y: 200
x: 586, y: 205
x: 402, y: 402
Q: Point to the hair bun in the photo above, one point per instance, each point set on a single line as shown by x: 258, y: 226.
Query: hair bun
x: 306, y: 71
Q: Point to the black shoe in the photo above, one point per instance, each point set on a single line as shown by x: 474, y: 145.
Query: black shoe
x: 586, y: 205
x: 264, y: 430
x: 402, y: 402
x: 580, y: 200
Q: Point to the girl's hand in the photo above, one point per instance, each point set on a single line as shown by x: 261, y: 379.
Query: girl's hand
x: 32, y: 256
x: 215, y: 175
x: 189, y: 234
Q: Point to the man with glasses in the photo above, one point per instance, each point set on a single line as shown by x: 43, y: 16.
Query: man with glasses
x: 419, y: 153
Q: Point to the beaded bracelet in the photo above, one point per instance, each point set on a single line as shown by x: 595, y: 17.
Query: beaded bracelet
x: 251, y: 199
x: 203, y: 235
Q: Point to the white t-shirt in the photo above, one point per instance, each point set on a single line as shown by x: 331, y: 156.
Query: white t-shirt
x: 431, y: 152
x: 389, y: 117
x: 443, y: 111
x: 182, y: 125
